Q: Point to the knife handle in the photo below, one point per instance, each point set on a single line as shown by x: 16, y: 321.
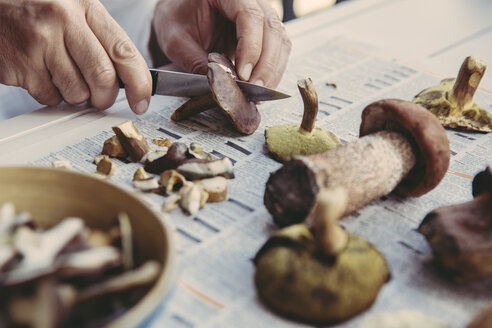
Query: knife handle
x: 153, y: 74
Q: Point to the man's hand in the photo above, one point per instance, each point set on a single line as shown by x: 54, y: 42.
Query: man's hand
x: 247, y: 30
x: 72, y: 51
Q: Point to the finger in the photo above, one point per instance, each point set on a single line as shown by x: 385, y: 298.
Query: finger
x: 271, y: 65
x: 66, y: 76
x: 183, y: 51
x: 38, y: 84
x: 248, y: 17
x: 129, y: 63
x: 94, y: 64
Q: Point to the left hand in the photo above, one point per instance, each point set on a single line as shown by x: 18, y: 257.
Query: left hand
x: 248, y: 31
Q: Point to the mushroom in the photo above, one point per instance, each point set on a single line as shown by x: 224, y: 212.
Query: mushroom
x: 403, y: 147
x: 289, y: 140
x: 62, y: 165
x: 452, y: 99
x: 483, y: 319
x: 162, y: 142
x: 175, y: 155
x: 105, y: 166
x: 196, y: 151
x: 202, y: 103
x: 216, y: 188
x: 461, y: 235
x: 226, y: 94
x: 195, y: 169
x: 133, y: 142
x: 113, y: 148
x: 148, y: 184
x: 171, y: 180
x: 192, y: 198
x: 321, y: 276
x: 140, y: 174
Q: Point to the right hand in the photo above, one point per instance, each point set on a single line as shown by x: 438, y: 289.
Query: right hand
x: 71, y: 51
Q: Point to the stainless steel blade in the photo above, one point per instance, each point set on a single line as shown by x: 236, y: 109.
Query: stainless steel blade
x: 179, y: 84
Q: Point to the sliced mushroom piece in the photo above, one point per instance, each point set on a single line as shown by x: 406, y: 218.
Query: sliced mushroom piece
x: 175, y: 155
x: 461, y: 235
x: 126, y: 232
x: 452, y: 100
x: 191, y: 198
x: 171, y: 203
x: 202, y: 169
x: 162, y: 142
x: 242, y: 113
x: 140, y: 174
x: 142, y: 276
x: 62, y: 165
x: 40, y: 249
x: 88, y: 262
x: 113, y: 148
x: 105, y: 167
x: 196, y: 151
x: 8, y: 255
x: 153, y: 155
x: 132, y: 140
x: 289, y: 140
x: 216, y: 188
x: 149, y: 184
x: 171, y: 181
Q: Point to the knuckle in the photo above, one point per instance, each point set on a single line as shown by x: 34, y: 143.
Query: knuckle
x: 103, y: 76
x: 254, y: 13
x: 275, y: 25
x: 45, y: 95
x: 123, y: 48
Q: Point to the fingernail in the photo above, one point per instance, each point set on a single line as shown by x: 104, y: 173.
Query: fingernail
x: 142, y: 106
x: 245, y: 72
x: 259, y: 82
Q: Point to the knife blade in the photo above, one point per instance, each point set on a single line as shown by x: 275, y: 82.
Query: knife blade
x: 170, y: 83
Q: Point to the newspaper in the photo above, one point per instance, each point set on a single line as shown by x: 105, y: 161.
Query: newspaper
x: 215, y: 285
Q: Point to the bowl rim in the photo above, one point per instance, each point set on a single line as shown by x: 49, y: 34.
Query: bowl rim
x: 149, y: 303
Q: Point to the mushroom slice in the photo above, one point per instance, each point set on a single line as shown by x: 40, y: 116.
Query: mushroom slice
x: 452, y: 100
x: 243, y: 113
x: 289, y: 140
x: 175, y: 155
x: 216, y: 188
x: 191, y: 198
x: 132, y: 140
x: 202, y: 169
x: 90, y: 261
x: 148, y: 184
x: 126, y: 240
x: 196, y: 151
x: 143, y: 276
x: 171, y: 180
x: 140, y: 174
x: 113, y: 148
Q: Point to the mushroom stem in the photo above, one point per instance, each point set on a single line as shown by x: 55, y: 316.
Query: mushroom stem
x: 378, y: 162
x: 467, y: 82
x: 330, y: 206
x: 310, y: 99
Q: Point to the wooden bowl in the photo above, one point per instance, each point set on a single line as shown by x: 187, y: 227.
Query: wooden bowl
x: 51, y: 195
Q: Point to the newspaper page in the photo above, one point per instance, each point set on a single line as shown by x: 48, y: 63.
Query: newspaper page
x: 215, y: 287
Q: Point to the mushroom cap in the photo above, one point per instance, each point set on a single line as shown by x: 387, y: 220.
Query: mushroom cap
x: 243, y: 113
x: 436, y: 99
x: 287, y: 140
x: 295, y: 280
x: 482, y: 182
x: 423, y: 130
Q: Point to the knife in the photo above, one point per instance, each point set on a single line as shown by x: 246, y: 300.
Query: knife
x: 170, y: 83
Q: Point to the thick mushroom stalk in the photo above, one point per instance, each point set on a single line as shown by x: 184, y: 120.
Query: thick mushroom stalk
x: 289, y: 140
x: 330, y: 206
x: 461, y: 235
x: 452, y: 99
x: 321, y: 275
x: 402, y: 147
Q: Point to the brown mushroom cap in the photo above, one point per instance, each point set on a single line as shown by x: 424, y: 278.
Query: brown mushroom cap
x: 482, y: 182
x: 423, y: 130
x: 242, y: 112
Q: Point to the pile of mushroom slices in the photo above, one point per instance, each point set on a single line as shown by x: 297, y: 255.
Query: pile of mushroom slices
x: 68, y: 274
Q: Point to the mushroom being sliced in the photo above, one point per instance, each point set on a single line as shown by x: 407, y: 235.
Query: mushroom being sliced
x: 451, y: 101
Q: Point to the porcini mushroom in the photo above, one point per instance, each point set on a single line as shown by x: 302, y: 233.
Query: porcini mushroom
x: 133, y: 142
x: 321, y: 276
x: 461, y: 235
x: 175, y: 155
x: 226, y: 94
x: 289, y: 140
x: 452, y: 99
x: 403, y: 147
